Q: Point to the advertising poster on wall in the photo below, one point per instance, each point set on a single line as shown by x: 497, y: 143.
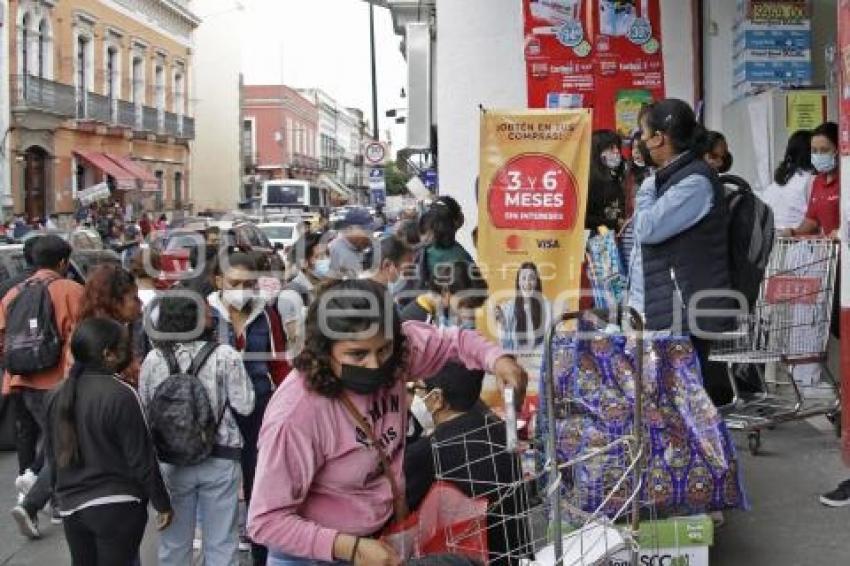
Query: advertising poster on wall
x: 533, y: 188
x: 599, y: 54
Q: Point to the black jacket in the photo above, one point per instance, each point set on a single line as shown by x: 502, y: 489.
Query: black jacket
x: 117, y: 453
x: 692, y: 262
x: 473, y: 457
x: 606, y: 203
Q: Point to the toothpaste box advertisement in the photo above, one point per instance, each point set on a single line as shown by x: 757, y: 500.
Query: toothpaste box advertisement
x: 780, y: 72
x: 693, y: 556
x: 682, y: 541
x: 773, y: 54
x: 747, y: 25
x: 773, y: 39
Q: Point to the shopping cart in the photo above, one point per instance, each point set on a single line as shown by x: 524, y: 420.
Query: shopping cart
x: 531, y: 518
x: 788, y: 326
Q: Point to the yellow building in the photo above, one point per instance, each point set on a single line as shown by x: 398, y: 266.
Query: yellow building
x: 99, y: 93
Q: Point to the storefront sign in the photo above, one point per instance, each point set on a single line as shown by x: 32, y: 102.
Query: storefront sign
x: 533, y: 183
x: 93, y: 194
x: 777, y: 11
x: 600, y: 54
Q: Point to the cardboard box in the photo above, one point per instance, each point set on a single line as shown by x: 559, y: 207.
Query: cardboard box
x: 773, y: 39
x: 773, y: 54
x: 773, y: 72
x: 682, y: 541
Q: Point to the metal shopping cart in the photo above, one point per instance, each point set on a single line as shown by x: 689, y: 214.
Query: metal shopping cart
x: 531, y: 516
x: 788, y: 326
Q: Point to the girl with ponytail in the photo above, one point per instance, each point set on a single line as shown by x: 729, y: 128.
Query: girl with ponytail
x: 100, y: 451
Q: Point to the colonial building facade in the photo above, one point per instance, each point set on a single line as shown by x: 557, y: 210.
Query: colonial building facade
x: 100, y: 93
x: 280, y: 136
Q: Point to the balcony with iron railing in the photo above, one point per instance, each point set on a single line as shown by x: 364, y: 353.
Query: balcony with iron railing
x: 305, y: 162
x: 150, y: 119
x: 172, y: 124
x: 35, y: 94
x: 127, y: 114
x: 188, y: 131
x: 38, y: 94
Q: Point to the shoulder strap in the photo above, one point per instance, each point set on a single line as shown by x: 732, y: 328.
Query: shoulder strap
x: 399, y: 502
x: 201, y: 357
x: 170, y: 359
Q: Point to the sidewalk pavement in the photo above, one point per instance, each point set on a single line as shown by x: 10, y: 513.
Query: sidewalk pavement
x: 786, y: 526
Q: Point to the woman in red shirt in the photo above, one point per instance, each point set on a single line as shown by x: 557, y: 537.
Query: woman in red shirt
x: 823, y: 215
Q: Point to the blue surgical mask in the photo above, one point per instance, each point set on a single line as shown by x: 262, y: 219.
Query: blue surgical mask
x: 823, y: 162
x: 395, y: 287
x: 322, y: 268
x: 446, y: 321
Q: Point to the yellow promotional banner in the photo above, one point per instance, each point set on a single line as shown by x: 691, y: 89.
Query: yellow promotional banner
x: 532, y: 197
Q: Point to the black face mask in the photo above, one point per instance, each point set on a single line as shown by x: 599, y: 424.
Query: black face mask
x: 365, y: 381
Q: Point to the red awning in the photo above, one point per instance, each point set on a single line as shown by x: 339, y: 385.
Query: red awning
x: 148, y: 181
x: 124, y: 180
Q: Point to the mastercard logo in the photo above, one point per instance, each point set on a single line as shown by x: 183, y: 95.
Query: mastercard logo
x: 513, y: 243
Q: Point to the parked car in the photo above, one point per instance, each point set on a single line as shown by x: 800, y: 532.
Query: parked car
x: 87, y: 251
x: 179, y: 249
x: 79, y: 238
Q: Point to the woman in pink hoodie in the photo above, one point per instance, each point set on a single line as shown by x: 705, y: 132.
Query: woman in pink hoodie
x: 329, y: 474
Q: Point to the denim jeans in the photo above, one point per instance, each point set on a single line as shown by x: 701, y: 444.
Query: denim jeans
x: 280, y: 559
x: 208, y: 491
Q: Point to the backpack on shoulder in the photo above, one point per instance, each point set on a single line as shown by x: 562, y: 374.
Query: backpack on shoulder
x: 181, y: 417
x: 32, y: 343
x: 751, y: 237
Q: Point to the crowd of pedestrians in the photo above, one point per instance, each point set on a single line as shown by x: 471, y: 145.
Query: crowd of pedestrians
x: 237, y: 404
x: 292, y: 413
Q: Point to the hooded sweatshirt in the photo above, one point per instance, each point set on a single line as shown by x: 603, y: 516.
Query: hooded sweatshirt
x: 317, y: 475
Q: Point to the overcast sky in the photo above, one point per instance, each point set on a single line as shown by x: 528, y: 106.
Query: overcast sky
x: 325, y: 44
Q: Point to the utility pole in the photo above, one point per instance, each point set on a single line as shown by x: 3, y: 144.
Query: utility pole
x: 374, y: 72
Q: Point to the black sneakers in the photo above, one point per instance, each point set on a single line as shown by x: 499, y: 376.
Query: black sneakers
x: 839, y: 497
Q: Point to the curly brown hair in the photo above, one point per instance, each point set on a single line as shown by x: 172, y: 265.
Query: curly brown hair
x: 106, y: 287
x: 351, y: 297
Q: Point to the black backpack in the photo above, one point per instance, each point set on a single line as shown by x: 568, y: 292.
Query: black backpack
x: 32, y: 343
x: 182, y: 420
x: 751, y: 236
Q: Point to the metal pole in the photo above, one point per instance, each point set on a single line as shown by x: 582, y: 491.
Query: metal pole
x: 551, y: 448
x: 374, y: 72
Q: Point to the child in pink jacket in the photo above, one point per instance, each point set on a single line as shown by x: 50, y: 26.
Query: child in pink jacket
x: 320, y: 493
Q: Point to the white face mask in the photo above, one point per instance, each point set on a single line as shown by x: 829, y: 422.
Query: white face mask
x: 421, y: 413
x: 237, y: 298
x: 612, y: 160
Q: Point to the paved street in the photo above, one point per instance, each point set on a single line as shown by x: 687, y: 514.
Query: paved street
x: 786, y: 527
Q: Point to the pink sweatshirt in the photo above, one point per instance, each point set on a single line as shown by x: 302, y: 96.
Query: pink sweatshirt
x: 316, y: 474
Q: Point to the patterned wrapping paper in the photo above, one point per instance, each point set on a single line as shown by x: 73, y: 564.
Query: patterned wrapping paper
x: 690, y: 467
x: 605, y: 271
